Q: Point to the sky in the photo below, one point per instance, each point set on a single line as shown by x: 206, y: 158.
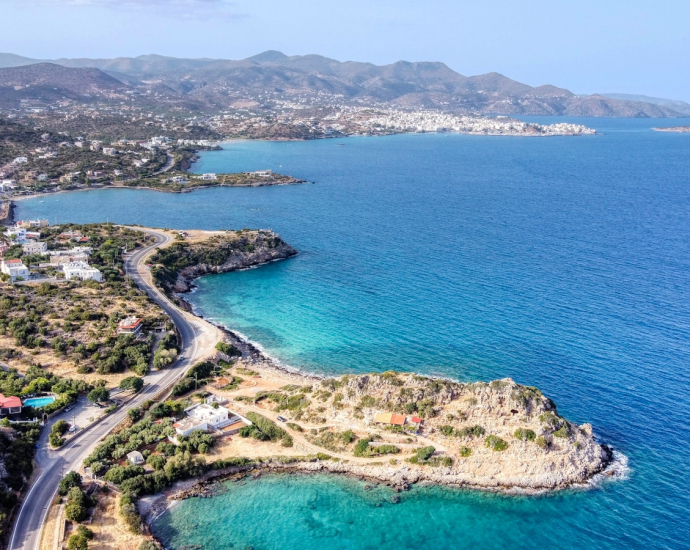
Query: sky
x: 587, y: 46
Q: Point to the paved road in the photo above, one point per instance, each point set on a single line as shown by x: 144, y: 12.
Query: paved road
x: 53, y: 464
x: 168, y: 164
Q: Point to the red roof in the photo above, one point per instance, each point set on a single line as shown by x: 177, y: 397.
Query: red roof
x: 10, y: 402
x: 13, y: 261
x: 133, y: 324
x: 416, y: 420
x: 398, y: 419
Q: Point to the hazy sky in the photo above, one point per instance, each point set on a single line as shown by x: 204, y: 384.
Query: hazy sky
x: 633, y: 46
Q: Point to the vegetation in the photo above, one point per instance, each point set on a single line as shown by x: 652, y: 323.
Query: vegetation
x: 80, y: 539
x: 215, y: 251
x: 525, y: 434
x: 59, y: 429
x: 228, y: 349
x: 264, y: 429
x: 133, y: 383
x: 37, y: 381
x: 17, y: 447
x: 78, y: 504
x: 495, y: 443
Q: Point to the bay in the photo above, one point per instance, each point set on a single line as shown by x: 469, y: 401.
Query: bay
x: 561, y: 262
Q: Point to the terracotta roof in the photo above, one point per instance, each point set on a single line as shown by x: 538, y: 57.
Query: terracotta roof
x: 416, y: 420
x: 398, y: 419
x: 10, y: 402
x: 13, y: 261
x: 130, y: 323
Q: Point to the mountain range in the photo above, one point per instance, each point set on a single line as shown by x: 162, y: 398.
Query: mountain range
x: 218, y: 83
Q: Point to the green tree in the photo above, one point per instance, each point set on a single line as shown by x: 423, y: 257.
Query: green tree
x: 99, y: 395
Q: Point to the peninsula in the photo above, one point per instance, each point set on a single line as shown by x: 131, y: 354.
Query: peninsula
x: 203, y: 404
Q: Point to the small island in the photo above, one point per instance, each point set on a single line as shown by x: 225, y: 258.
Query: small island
x: 678, y: 129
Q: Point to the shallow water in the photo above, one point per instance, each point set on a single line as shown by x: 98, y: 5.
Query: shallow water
x: 562, y: 262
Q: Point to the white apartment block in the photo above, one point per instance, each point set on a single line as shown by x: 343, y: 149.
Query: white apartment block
x: 81, y: 270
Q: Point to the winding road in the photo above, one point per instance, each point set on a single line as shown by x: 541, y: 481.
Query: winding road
x: 52, y: 465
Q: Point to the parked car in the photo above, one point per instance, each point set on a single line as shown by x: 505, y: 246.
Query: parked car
x: 282, y: 419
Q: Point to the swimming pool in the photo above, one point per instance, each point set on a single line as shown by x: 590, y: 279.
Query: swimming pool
x: 38, y: 402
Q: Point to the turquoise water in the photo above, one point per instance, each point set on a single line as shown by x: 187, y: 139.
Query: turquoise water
x: 561, y: 262
x: 38, y: 401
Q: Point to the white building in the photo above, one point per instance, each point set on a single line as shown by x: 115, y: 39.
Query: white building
x: 136, y: 458
x: 110, y: 151
x: 208, y: 177
x: 81, y: 270
x: 35, y: 247
x: 204, y: 417
x: 19, y: 233
x: 33, y: 223
x: 15, y: 269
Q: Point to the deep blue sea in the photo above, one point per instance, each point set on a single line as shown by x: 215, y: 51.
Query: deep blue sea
x: 561, y: 262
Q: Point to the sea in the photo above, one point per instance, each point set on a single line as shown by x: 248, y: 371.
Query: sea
x: 560, y: 262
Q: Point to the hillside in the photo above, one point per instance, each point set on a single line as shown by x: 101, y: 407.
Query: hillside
x: 51, y: 82
x: 218, y: 83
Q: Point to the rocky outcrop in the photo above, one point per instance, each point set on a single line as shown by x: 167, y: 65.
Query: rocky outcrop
x: 176, y: 266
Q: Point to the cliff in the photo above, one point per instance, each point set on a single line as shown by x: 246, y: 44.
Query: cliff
x: 175, y: 267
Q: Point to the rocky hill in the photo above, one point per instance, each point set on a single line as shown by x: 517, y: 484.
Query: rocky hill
x: 218, y: 83
x: 51, y: 82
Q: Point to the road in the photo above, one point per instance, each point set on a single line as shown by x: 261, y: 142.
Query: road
x: 169, y: 163
x: 53, y: 464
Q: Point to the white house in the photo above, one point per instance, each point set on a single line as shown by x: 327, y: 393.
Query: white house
x: 204, y: 417
x: 35, y: 247
x: 15, y: 269
x: 136, y: 458
x: 32, y: 223
x: 130, y: 325
x: 110, y: 151
x: 81, y: 270
x: 19, y: 233
x: 208, y: 177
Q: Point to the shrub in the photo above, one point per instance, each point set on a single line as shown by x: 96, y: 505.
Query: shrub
x: 471, y: 431
x: 55, y: 440
x: 265, y: 426
x: 386, y: 450
x: 362, y: 448
x: 118, y: 474
x: 525, y: 434
x: 424, y: 453
x: 564, y: 431
x: 495, y: 443
x: 148, y: 545
x: 72, y: 479
x: 228, y: 349
x: 551, y: 420
x: 60, y: 427
x: 133, y: 383
x: 157, y: 462
x: 541, y: 442
x: 294, y: 426
x: 447, y: 430
x: 465, y: 452
x: 348, y: 436
x: 99, y: 395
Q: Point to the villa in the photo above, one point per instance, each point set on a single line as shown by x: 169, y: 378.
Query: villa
x: 10, y: 405
x: 130, y: 325
x: 81, y: 270
x: 15, y: 269
x: 206, y: 418
x: 34, y: 247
